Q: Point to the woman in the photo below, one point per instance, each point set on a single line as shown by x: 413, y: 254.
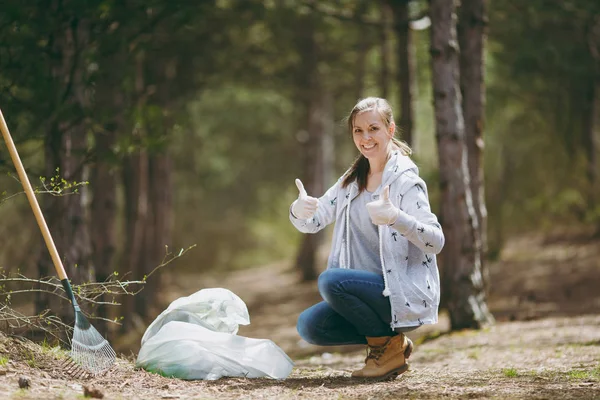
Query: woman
x: 382, y: 278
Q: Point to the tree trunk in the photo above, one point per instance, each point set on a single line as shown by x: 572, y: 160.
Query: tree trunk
x: 65, y: 150
x: 103, y: 182
x: 314, y: 170
x: 406, y: 69
x: 384, y: 76
x: 594, y: 144
x: 159, y: 228
x: 462, y: 282
x: 310, y: 95
x: 135, y: 184
x: 471, y: 39
x: 592, y: 117
x: 362, y: 43
x: 65, y: 215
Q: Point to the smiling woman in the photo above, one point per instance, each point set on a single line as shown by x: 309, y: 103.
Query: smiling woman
x: 382, y: 278
x: 371, y: 122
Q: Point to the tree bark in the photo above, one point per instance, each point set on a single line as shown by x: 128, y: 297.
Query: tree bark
x: 594, y: 144
x: 591, y: 134
x: 313, y: 160
x: 362, y: 49
x: 65, y: 151
x: 159, y: 228
x: 406, y: 69
x: 135, y: 184
x: 103, y: 181
x: 471, y: 38
x: 463, y: 289
x: 384, y: 76
x: 314, y: 170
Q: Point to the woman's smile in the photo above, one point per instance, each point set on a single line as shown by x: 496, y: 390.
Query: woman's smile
x: 371, y: 136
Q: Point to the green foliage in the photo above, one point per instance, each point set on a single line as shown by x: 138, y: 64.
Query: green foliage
x: 539, y: 71
x: 222, y: 86
x: 585, y: 374
x: 235, y: 170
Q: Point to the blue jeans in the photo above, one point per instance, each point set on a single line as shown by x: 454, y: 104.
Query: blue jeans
x: 353, y: 308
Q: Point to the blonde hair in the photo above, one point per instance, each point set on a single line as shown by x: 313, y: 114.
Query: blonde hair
x: 360, y: 167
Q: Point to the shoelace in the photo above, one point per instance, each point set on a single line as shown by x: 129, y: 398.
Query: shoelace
x: 375, y: 352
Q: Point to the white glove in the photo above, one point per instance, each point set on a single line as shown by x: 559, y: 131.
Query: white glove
x: 306, y: 206
x: 382, y: 211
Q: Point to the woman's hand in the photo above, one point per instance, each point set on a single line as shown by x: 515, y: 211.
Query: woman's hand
x: 382, y: 211
x: 306, y: 206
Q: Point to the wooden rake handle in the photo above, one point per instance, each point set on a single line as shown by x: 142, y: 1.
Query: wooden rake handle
x: 32, y: 200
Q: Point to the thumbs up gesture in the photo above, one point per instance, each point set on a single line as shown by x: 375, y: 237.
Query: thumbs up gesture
x: 382, y: 211
x: 306, y: 206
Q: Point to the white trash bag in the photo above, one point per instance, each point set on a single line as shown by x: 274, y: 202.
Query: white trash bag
x: 195, y: 338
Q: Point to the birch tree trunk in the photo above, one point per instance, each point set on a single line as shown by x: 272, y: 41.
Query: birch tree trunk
x: 463, y: 289
x: 471, y: 39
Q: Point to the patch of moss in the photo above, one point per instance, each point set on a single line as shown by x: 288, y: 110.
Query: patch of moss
x: 510, y: 372
x: 584, y: 374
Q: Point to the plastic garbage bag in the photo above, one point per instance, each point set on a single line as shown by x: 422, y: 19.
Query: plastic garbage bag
x: 195, y: 338
x: 217, y: 309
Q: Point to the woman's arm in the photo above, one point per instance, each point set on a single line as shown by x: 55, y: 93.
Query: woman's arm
x: 416, y: 222
x: 325, y: 215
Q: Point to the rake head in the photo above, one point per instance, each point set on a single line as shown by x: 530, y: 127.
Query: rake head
x: 88, y: 348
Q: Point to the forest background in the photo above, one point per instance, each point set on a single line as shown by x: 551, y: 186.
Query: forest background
x: 190, y: 122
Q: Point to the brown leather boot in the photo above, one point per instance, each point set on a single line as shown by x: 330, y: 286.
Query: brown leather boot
x: 386, y: 357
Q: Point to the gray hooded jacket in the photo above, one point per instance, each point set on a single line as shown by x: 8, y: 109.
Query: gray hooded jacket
x: 407, y: 248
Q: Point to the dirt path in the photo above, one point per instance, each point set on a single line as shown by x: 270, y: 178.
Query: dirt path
x: 546, y: 343
x: 551, y: 358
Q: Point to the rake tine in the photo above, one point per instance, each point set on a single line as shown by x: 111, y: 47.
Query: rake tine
x: 73, y: 369
x: 88, y: 348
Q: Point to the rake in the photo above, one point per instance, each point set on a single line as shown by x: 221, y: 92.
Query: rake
x: 88, y: 348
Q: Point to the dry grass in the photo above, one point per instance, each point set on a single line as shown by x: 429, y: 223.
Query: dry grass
x: 550, y: 358
x: 551, y: 350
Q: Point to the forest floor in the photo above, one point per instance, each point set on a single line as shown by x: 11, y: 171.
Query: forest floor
x: 545, y: 345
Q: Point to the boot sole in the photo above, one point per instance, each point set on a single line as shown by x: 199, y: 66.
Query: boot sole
x: 390, y: 376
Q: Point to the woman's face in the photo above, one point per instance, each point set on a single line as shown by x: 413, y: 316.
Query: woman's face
x: 371, y: 136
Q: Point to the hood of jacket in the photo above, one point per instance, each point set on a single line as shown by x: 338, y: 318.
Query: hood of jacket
x: 394, y: 168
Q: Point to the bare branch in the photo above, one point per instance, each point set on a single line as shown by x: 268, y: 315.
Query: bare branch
x: 86, y: 293
x: 57, y: 187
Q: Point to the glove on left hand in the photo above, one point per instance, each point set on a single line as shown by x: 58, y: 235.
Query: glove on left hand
x: 382, y: 211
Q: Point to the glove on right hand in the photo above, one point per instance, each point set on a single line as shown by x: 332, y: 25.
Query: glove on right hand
x: 306, y: 206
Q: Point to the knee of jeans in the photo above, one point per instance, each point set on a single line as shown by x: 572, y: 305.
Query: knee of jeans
x: 328, y: 281
x: 306, y: 329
